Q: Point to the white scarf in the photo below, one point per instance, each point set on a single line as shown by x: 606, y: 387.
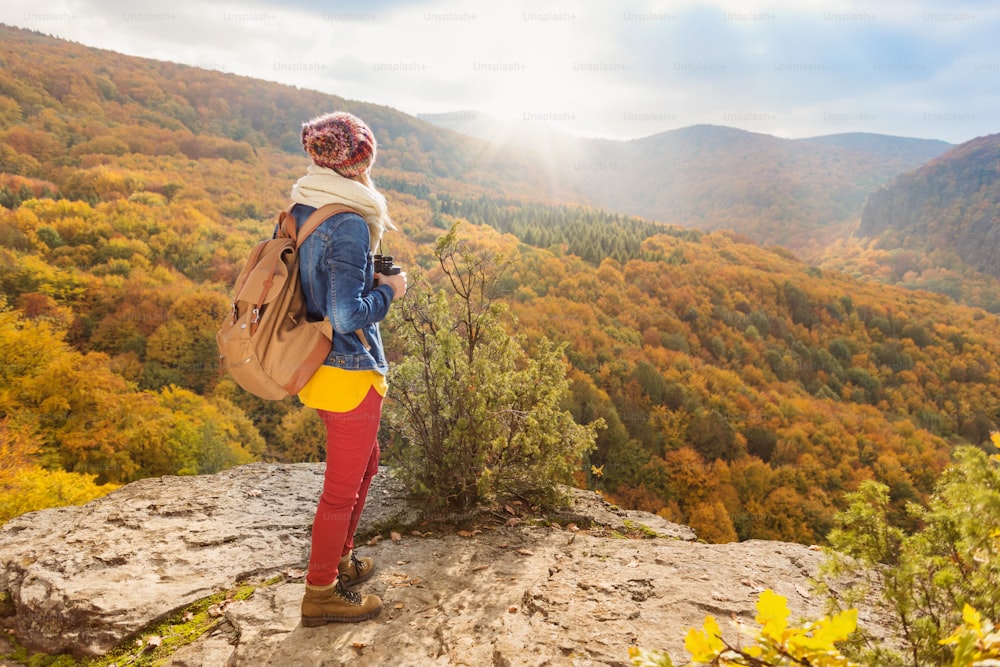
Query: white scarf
x: 321, y: 186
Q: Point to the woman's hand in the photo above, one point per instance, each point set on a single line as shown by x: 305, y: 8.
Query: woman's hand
x: 397, y: 282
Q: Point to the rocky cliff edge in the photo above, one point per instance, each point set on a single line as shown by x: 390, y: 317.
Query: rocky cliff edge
x: 506, y: 588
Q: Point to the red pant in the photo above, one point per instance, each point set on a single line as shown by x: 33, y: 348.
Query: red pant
x: 352, y: 455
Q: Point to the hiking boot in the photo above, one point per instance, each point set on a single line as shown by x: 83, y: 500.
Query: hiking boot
x: 354, y: 570
x: 336, y: 604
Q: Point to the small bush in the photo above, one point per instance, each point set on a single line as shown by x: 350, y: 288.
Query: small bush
x: 925, y: 578
x: 478, y: 416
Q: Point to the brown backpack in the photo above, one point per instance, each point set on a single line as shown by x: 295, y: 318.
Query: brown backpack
x: 268, y: 345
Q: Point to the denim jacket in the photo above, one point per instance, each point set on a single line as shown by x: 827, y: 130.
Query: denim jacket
x: 337, y: 274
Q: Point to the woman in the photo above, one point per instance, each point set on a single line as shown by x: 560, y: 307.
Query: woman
x: 338, y: 279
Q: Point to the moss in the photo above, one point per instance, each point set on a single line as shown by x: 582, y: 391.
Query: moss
x: 640, y: 529
x: 19, y: 655
x: 246, y: 591
x: 175, y: 631
x: 6, y: 604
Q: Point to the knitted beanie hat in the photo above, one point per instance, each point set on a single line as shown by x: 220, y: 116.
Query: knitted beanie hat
x: 339, y: 141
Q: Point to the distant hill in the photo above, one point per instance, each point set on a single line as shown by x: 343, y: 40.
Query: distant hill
x: 950, y: 204
x: 885, y: 146
x: 772, y: 190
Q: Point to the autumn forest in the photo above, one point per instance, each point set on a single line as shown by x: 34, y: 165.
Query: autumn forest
x: 745, y: 390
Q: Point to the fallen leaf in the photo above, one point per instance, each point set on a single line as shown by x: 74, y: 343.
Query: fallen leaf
x: 465, y: 533
x: 572, y: 527
x: 716, y: 595
x: 815, y: 547
x: 359, y: 646
x: 509, y: 509
x: 293, y: 573
x: 154, y: 641
x: 395, y: 537
x: 512, y: 610
x: 373, y: 541
x: 398, y: 605
x: 402, y: 562
x: 525, y: 552
x: 803, y: 592
x: 634, y: 563
x: 414, y: 582
x: 479, y: 568
x: 513, y: 521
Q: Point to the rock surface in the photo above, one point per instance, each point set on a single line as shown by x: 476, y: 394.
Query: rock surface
x: 524, y: 596
x: 84, y: 578
x: 499, y: 592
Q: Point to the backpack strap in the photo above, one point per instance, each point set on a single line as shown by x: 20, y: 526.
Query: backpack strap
x: 288, y: 228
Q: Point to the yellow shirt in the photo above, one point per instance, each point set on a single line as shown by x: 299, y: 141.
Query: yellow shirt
x: 339, y: 390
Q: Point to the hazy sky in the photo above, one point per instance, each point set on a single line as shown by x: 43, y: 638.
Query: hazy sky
x: 594, y: 68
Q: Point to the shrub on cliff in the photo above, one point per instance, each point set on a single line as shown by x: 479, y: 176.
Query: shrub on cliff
x: 928, y: 577
x: 477, y: 414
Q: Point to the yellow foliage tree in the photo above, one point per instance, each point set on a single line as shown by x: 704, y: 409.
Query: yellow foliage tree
x: 36, y: 488
x: 711, y: 523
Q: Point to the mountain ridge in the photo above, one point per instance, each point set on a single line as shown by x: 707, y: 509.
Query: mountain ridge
x: 949, y: 202
x: 888, y: 144
x: 936, y: 228
x: 771, y: 189
x: 478, y: 124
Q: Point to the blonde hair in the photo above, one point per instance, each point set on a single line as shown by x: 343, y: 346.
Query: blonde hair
x: 384, y: 221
